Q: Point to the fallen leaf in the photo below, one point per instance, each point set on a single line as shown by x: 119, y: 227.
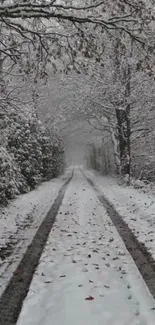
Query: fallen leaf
x: 95, y: 251
x: 123, y: 272
x: 107, y: 265
x: 90, y: 298
x: 121, y: 254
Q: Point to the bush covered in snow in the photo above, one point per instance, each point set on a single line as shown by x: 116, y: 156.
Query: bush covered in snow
x: 12, y: 181
x: 29, y: 154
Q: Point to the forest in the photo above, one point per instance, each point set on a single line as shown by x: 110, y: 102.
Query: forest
x: 76, y: 68
x: 77, y: 162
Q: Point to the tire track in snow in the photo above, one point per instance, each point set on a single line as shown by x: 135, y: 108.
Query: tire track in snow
x: 16, y: 291
x: 139, y: 253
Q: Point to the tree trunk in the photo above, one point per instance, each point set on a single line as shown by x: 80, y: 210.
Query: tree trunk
x: 123, y: 110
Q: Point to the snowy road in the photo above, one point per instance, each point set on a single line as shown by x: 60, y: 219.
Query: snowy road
x: 19, y: 222
x: 85, y: 275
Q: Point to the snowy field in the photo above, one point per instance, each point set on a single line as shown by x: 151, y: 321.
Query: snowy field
x: 85, y: 275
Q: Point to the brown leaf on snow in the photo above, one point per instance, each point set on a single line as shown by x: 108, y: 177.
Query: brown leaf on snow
x: 107, y: 265
x: 111, y: 240
x: 123, y: 272
x: 90, y: 298
x: 121, y: 254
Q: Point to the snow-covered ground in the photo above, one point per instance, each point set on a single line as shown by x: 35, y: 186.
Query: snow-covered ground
x: 19, y: 222
x: 85, y: 275
x: 135, y: 207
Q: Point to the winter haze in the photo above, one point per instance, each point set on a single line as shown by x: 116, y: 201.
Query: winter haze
x: 77, y: 162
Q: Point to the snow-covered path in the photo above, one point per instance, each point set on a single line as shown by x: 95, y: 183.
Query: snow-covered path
x: 135, y: 207
x: 85, y: 275
x: 19, y: 222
